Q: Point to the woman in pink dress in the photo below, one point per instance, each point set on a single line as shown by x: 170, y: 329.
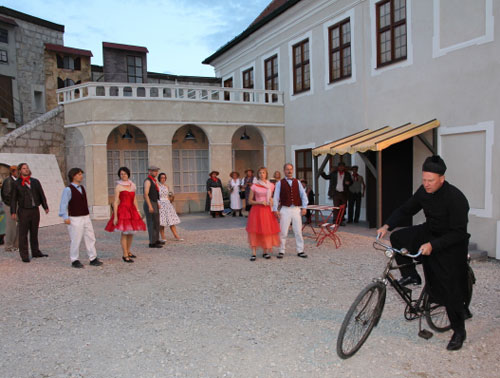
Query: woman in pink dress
x: 126, y: 217
x: 262, y: 227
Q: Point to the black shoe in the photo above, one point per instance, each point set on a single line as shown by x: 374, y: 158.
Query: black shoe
x: 266, y: 256
x: 349, y: 221
x: 356, y: 221
x: 96, y: 262
x: 26, y: 260
x: 302, y: 254
x: 253, y: 258
x: 159, y: 242
x: 40, y: 254
x: 77, y: 264
x: 234, y: 214
x: 155, y: 246
x: 127, y: 259
x: 132, y: 256
x: 457, y: 340
x: 410, y: 280
x: 467, y: 314
x: 280, y: 255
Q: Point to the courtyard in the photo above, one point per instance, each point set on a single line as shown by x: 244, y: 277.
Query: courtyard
x: 200, y: 308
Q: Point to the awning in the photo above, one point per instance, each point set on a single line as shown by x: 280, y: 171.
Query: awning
x: 374, y: 140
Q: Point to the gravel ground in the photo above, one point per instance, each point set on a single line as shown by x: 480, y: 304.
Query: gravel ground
x: 200, y: 308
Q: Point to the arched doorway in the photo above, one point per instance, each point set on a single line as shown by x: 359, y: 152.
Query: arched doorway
x: 190, y: 159
x: 248, y: 149
x: 127, y: 146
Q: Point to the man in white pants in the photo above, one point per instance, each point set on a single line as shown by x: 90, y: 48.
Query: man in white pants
x: 74, y: 210
x: 290, y: 194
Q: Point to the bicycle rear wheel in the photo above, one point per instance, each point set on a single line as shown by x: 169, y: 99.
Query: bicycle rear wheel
x: 436, y: 315
x: 359, y: 321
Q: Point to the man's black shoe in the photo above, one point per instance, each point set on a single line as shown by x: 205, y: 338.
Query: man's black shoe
x: 39, y: 254
x: 96, y: 262
x: 467, y: 314
x: 457, y: 340
x: 26, y: 260
x: 159, y: 242
x: 410, y: 280
x: 155, y: 246
x: 77, y: 264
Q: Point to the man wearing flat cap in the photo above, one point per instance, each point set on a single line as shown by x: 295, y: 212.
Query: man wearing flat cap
x: 151, y: 210
x: 443, y: 240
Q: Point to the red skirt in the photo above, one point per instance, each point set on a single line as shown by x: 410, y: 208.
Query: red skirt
x: 263, y: 227
x: 129, y: 220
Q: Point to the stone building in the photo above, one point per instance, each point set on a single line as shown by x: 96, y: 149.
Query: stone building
x: 64, y: 66
x: 24, y: 78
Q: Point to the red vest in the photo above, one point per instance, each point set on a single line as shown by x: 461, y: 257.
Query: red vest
x: 77, y: 205
x: 290, y: 195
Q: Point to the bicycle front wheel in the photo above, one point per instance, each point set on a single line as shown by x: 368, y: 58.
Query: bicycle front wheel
x: 359, y: 321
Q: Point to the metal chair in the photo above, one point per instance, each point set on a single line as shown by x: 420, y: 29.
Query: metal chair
x: 330, y: 229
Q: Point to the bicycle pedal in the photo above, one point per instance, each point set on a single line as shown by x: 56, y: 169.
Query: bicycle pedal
x: 424, y: 334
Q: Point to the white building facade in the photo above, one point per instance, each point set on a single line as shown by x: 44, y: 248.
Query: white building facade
x: 349, y: 65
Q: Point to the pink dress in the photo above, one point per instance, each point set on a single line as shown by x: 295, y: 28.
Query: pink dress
x: 262, y: 226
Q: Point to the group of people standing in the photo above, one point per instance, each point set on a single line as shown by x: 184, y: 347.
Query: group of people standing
x: 22, y: 196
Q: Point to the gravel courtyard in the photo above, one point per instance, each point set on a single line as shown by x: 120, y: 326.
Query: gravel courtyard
x: 200, y: 308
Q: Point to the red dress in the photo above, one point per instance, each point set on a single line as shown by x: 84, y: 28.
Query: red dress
x: 129, y: 218
x: 262, y: 226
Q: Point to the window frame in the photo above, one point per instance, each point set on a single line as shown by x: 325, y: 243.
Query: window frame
x: 391, y: 27
x: 4, y: 35
x: 135, y: 66
x: 4, y: 53
x: 182, y: 155
x: 303, y: 63
x: 227, y: 94
x: 273, y: 77
x: 340, y: 49
x: 248, y: 82
x: 301, y: 168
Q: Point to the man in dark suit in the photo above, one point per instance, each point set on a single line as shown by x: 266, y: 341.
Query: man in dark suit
x: 340, y: 180
x: 27, y: 196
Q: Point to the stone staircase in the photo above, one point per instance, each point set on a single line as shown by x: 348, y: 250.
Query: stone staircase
x: 476, y: 254
x: 6, y: 126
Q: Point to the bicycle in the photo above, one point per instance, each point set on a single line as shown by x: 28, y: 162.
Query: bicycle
x: 366, y: 310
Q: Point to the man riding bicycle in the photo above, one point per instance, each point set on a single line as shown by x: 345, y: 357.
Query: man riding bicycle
x: 443, y: 240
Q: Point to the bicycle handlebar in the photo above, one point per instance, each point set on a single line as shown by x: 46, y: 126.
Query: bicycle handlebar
x: 401, y: 251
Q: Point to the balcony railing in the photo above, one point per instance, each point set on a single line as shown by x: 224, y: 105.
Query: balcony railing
x: 169, y: 92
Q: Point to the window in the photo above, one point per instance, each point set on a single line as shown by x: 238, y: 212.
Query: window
x: 68, y: 62
x: 247, y: 83
x: 134, y: 69
x: 4, y: 36
x: 339, y: 43
x: 228, y: 84
x: 303, y: 162
x: 301, y: 68
x: 271, y: 76
x: 190, y: 170
x: 3, y: 56
x: 135, y: 160
x: 391, y: 31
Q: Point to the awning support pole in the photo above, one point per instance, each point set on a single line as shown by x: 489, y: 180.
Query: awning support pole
x: 379, y: 189
x: 368, y: 164
x: 431, y: 147
x: 316, y: 181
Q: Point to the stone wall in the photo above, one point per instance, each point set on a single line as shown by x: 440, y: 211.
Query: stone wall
x: 30, y: 80
x: 43, y: 135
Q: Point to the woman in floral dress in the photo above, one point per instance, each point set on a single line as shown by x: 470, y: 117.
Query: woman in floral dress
x: 168, y: 215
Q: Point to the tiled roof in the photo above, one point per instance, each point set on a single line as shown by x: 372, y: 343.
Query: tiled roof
x: 273, y: 10
x: 67, y: 50
x: 124, y: 47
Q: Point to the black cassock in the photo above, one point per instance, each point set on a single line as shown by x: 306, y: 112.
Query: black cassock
x: 446, y: 212
x: 211, y: 184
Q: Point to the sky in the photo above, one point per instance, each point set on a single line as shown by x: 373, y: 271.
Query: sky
x: 179, y: 34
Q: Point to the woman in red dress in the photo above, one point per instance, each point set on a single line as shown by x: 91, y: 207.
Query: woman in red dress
x: 262, y: 227
x: 126, y: 217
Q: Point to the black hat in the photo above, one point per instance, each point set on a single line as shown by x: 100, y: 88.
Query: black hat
x: 434, y: 164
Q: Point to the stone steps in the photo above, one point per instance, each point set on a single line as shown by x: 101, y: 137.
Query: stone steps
x: 477, y: 254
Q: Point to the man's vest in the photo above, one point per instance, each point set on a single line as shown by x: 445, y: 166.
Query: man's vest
x: 290, y: 195
x: 77, y: 206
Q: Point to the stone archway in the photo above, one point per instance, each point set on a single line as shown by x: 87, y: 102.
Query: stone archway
x: 248, y: 149
x: 127, y: 146
x: 190, y: 159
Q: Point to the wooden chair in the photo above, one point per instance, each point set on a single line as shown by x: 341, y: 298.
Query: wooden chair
x: 330, y: 229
